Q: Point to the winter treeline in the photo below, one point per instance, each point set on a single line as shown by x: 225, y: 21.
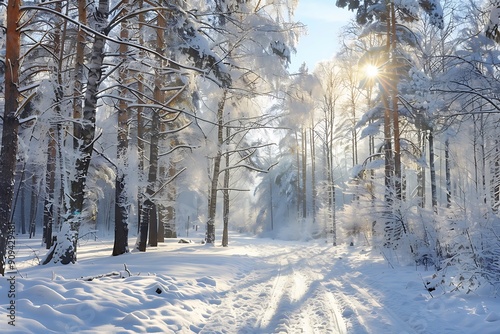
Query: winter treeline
x: 394, y: 142
x: 151, y: 118
x: 131, y: 116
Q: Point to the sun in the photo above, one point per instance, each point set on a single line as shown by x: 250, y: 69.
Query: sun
x: 371, y: 71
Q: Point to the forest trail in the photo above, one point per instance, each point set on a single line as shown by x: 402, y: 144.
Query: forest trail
x: 286, y: 294
x: 257, y: 286
x: 306, y: 289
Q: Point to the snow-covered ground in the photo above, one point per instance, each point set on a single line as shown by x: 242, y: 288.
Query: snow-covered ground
x: 254, y: 286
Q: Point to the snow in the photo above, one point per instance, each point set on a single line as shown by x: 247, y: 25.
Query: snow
x: 256, y: 285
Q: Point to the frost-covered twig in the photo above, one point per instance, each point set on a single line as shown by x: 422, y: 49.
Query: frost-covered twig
x: 91, y: 278
x: 126, y: 270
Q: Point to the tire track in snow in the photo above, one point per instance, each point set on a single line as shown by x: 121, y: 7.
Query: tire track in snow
x: 305, y: 305
x: 362, y: 307
x: 276, y: 297
x: 320, y: 312
x: 286, y: 297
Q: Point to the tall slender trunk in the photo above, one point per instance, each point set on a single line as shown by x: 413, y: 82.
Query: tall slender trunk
x: 389, y: 227
x: 50, y: 173
x: 447, y: 171
x: 432, y: 166
x: 304, y: 173
x: 152, y: 178
x: 23, y: 203
x: 170, y: 217
x: 313, y: 174
x: 79, y: 69
x: 271, y: 204
x: 299, y: 173
x: 33, y: 205
x: 121, y: 199
x: 421, y: 170
x: 59, y: 42
x: 162, y: 215
x: 140, y: 126
x: 395, y: 108
x: 212, y: 203
x: 50, y: 178
x: 388, y: 170
x: 495, y: 180
x: 225, y: 192
x: 10, y: 130
x: 154, y: 165
x: 65, y: 252
x: 484, y: 190
x: 329, y: 135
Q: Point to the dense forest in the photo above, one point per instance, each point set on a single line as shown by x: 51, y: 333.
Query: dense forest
x: 151, y: 118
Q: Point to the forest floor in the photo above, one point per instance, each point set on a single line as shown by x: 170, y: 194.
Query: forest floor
x: 256, y: 285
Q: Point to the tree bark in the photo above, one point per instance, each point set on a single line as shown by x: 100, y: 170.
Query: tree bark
x: 447, y: 172
x: 121, y: 199
x: 79, y: 69
x: 432, y: 166
x: 212, y: 204
x: 313, y: 174
x: 495, y: 186
x: 153, y: 175
x: 389, y: 167
x: 421, y: 170
x: 304, y: 174
x: 65, y: 250
x: 169, y: 224
x: 50, y: 178
x: 225, y: 192
x: 8, y: 152
x: 33, y: 205
x: 395, y: 108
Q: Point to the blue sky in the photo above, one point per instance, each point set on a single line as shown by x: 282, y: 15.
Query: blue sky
x: 323, y: 20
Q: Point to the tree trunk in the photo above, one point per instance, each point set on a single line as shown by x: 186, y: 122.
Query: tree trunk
x: 140, y: 129
x: 496, y: 177
x: 153, y: 176
x: 65, y: 250
x: 388, y: 193
x: 50, y: 178
x: 142, y: 237
x: 299, y: 179
x: 153, y: 225
x: 313, y: 174
x: 23, y: 204
x: 120, y: 245
x: 169, y: 224
x: 447, y: 172
x: 329, y: 118
x: 33, y: 205
x: 389, y: 167
x: 271, y: 204
x: 421, y: 170
x: 225, y: 192
x: 432, y: 166
x: 170, y: 227
x: 212, y: 204
x: 395, y: 108
x: 304, y: 174
x: 121, y: 199
x: 8, y: 152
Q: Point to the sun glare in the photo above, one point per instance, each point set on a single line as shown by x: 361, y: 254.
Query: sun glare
x: 371, y: 71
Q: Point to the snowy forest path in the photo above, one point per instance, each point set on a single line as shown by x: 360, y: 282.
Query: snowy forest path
x: 285, y: 294
x: 366, y: 302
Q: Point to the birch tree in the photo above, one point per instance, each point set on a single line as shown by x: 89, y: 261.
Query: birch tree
x: 251, y: 27
x: 65, y: 248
